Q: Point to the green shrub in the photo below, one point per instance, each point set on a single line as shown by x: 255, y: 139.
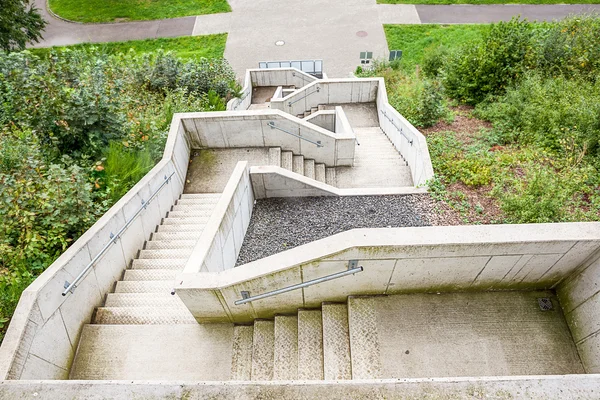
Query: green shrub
x: 433, y: 61
x: 420, y: 101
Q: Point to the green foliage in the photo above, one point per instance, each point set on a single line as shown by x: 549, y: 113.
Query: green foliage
x: 433, y: 61
x: 133, y: 10
x: 20, y: 23
x: 489, y: 67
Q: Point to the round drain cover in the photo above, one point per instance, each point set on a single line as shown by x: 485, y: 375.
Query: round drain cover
x: 279, y: 43
x: 361, y: 33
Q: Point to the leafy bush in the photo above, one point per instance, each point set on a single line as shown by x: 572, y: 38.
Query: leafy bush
x: 420, y: 101
x: 489, y: 67
x: 433, y: 61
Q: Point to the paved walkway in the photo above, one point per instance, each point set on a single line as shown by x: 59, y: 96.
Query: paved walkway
x: 333, y: 30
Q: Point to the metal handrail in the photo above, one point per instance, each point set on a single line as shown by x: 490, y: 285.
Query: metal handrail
x: 272, y: 125
x: 246, y: 298
x: 398, y: 128
x: 303, y: 97
x: 302, y: 77
x: 71, y: 286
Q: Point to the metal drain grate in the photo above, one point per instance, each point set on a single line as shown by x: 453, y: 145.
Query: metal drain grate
x: 545, y: 303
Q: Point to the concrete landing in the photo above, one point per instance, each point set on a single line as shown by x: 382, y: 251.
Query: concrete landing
x: 472, y: 334
x: 154, y: 352
x: 209, y: 170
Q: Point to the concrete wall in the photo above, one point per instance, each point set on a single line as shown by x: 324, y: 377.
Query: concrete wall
x: 406, y: 139
x: 330, y: 91
x: 244, y: 101
x: 250, y: 129
x: 270, y: 181
x: 580, y: 298
x: 325, y: 119
x: 44, y: 331
x: 397, y: 260
x: 220, y: 243
x: 280, y: 77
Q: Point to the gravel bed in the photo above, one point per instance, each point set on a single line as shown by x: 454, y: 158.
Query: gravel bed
x: 283, y: 223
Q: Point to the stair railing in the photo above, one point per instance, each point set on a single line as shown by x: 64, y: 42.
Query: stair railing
x: 398, y: 128
x: 71, y: 286
x: 303, y: 97
x: 352, y: 269
x: 273, y: 126
x: 301, y: 76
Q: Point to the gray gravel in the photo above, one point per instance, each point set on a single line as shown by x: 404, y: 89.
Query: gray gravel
x: 282, y: 223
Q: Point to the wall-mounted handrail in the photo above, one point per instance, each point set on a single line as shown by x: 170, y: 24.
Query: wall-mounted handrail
x: 71, y: 286
x: 272, y: 125
x: 301, y: 77
x: 246, y: 298
x: 398, y: 128
x: 303, y: 97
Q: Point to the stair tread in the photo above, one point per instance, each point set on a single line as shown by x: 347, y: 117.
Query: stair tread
x: 191, y: 213
x: 195, y: 201
x: 364, y: 340
x: 144, y: 287
x: 181, y: 228
x: 166, y: 253
x: 275, y: 156
x: 286, y: 160
x: 143, y: 316
x: 150, y: 274
x: 142, y: 300
x: 298, y: 164
x: 309, y: 169
x: 262, y: 350
x: 285, y: 353
x: 170, y: 244
x: 186, y: 220
x: 193, y: 207
x: 241, y: 364
x: 159, y: 263
x: 310, y: 345
x: 320, y: 172
x: 200, y: 195
x: 337, y: 363
x: 330, y: 176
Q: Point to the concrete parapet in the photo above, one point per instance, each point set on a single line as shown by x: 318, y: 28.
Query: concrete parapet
x: 396, y: 260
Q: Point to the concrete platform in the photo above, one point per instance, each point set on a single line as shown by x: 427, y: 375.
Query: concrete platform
x: 471, y: 334
x: 154, y: 352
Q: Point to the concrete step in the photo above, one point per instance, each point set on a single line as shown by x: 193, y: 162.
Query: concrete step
x: 275, y: 156
x: 142, y: 300
x: 330, y: 176
x: 160, y: 263
x: 155, y: 352
x: 144, y: 287
x: 309, y: 169
x: 143, y: 316
x: 175, y: 236
x: 298, y: 164
x: 306, y: 114
x: 241, y: 363
x: 196, y: 201
x: 262, y: 350
x: 310, y: 345
x: 321, y: 107
x: 214, y: 196
x: 364, y: 340
x: 337, y: 364
x: 150, y: 275
x: 181, y: 228
x: 300, y: 116
x: 165, y: 253
x: 286, y: 160
x: 170, y: 244
x: 314, y: 110
x: 285, y: 352
x: 206, y: 212
x: 320, y: 172
x: 193, y: 207
x: 186, y: 221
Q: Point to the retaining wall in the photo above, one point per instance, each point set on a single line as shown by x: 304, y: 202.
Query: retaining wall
x: 396, y: 260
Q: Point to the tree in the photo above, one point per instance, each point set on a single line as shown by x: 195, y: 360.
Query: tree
x: 20, y: 23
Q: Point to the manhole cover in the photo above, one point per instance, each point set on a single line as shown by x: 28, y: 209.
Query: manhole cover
x: 361, y: 33
x: 545, y: 303
x: 279, y: 43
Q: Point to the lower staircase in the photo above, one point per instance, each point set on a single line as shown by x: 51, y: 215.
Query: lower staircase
x: 143, y: 296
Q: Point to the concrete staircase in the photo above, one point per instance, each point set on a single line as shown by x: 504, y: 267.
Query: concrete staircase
x: 301, y: 165
x: 311, y: 111
x: 143, y: 296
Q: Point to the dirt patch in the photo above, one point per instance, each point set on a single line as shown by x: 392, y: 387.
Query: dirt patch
x: 475, y: 204
x: 464, y: 124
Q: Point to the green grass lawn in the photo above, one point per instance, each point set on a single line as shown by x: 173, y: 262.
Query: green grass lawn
x: 185, y: 47
x: 133, y: 10
x: 416, y: 40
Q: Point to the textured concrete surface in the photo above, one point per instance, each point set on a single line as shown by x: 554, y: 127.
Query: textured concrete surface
x: 241, y: 364
x: 474, y: 334
x: 210, y: 169
x: 157, y: 352
x: 262, y: 350
x: 285, y: 364
x: 336, y: 342
x: 310, y: 344
x: 581, y: 387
